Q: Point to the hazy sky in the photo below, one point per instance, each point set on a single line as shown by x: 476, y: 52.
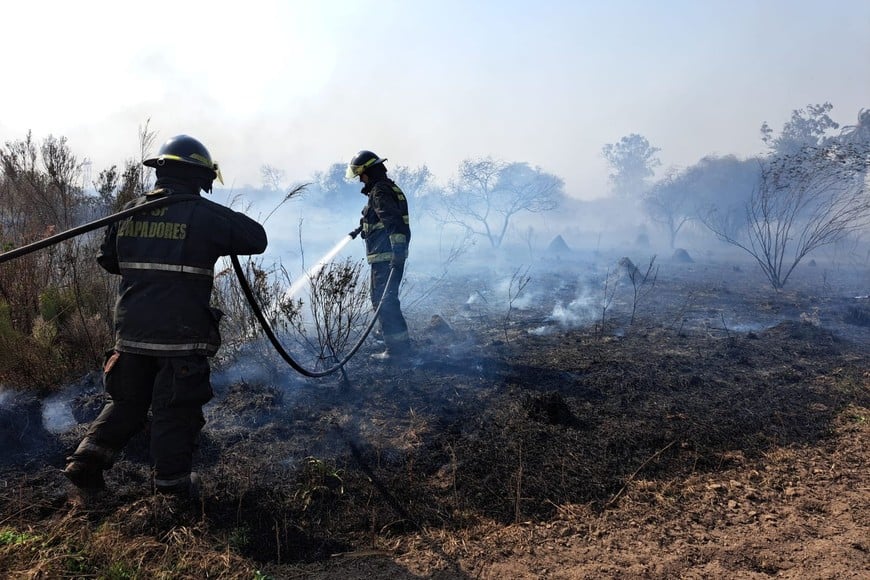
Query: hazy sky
x: 302, y: 84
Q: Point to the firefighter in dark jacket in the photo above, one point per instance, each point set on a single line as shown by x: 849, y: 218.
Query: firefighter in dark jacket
x: 165, y: 329
x: 384, y: 227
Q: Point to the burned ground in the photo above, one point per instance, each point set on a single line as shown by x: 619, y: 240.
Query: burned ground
x: 722, y: 434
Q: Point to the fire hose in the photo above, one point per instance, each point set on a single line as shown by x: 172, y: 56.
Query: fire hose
x: 258, y: 312
x: 240, y: 274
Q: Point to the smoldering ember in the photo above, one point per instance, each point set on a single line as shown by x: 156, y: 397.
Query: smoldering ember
x: 596, y: 394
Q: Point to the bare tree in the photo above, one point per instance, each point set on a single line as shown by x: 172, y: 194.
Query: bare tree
x: 682, y: 195
x: 272, y: 177
x: 803, y: 201
x: 489, y: 193
x: 39, y: 196
x: 40, y: 183
x: 665, y: 205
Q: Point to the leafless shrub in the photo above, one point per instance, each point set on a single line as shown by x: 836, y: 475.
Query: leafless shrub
x: 339, y: 305
x: 642, y: 282
x: 338, y: 302
x: 611, y: 280
x: 804, y: 200
x: 239, y: 324
x: 518, y: 282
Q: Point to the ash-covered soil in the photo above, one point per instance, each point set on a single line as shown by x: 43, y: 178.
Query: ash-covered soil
x: 722, y: 433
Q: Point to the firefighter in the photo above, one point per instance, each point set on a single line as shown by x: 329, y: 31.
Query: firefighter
x: 165, y: 329
x: 384, y: 227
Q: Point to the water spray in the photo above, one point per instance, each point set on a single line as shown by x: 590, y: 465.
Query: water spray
x: 300, y: 282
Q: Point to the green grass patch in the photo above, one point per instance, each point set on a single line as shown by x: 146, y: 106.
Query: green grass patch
x: 10, y: 537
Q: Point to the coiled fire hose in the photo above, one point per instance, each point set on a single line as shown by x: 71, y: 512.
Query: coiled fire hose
x: 240, y: 274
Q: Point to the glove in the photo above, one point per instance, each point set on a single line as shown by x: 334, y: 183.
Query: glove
x: 400, y: 252
x: 355, y: 233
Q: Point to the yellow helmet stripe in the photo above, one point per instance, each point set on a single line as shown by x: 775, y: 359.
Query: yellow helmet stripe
x: 205, y: 161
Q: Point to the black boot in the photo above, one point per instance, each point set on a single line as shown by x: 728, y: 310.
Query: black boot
x: 395, y: 352
x: 85, y: 476
x: 188, y: 488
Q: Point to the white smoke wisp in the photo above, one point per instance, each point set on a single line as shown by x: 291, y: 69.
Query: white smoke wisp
x: 506, y: 294
x: 514, y: 294
x: 580, y: 312
x: 475, y: 298
x: 57, y: 415
x: 251, y: 365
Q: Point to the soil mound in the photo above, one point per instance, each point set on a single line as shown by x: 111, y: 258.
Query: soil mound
x: 558, y: 246
x: 682, y: 256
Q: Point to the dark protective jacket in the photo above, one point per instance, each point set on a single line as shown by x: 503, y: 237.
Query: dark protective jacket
x: 166, y: 259
x: 385, y: 222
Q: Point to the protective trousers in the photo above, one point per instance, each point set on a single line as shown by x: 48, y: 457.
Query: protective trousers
x: 175, y: 389
x: 393, y: 325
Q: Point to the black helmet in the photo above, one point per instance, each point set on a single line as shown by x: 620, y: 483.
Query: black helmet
x: 361, y: 162
x: 185, y: 150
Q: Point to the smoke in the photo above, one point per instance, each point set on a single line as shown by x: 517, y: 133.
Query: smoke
x: 57, y: 414
x: 253, y: 362
x: 580, y: 312
x: 22, y: 434
x: 515, y: 292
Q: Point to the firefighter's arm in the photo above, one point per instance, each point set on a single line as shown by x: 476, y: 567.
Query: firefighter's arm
x: 108, y: 256
x: 399, y: 243
x: 250, y: 236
